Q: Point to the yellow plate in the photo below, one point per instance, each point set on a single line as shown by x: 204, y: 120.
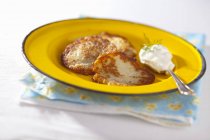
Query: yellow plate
x: 43, y: 47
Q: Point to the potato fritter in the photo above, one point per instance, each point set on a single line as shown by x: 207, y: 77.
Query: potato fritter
x: 119, y: 69
x: 121, y: 44
x: 80, y: 54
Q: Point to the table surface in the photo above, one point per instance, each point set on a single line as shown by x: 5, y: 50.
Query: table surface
x: 18, y: 18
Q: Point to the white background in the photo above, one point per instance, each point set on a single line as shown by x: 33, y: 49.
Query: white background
x: 18, y: 18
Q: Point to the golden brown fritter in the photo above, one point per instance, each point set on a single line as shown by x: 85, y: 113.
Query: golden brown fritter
x: 80, y: 54
x: 119, y: 69
x: 121, y: 44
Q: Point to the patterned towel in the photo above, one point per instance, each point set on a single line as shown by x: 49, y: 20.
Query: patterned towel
x: 170, y: 109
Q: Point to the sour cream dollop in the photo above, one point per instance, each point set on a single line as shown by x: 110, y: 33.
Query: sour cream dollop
x: 157, y: 57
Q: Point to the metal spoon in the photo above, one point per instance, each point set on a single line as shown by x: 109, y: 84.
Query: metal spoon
x: 182, y: 87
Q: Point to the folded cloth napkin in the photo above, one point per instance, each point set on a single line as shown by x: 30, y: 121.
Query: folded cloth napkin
x: 169, y: 109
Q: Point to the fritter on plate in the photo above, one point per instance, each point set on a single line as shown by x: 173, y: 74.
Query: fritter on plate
x: 119, y: 69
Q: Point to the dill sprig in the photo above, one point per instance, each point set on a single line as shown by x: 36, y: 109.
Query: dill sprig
x: 149, y: 42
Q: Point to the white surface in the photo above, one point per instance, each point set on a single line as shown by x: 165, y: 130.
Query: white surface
x: 18, y: 18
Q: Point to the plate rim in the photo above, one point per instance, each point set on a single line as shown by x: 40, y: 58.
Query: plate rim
x: 202, y: 72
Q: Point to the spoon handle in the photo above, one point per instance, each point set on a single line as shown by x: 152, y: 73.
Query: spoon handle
x: 182, y: 87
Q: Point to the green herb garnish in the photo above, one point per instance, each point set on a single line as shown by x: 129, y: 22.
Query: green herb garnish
x: 149, y: 42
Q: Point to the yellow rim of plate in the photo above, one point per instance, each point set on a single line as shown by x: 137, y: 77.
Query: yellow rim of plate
x: 91, y: 86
